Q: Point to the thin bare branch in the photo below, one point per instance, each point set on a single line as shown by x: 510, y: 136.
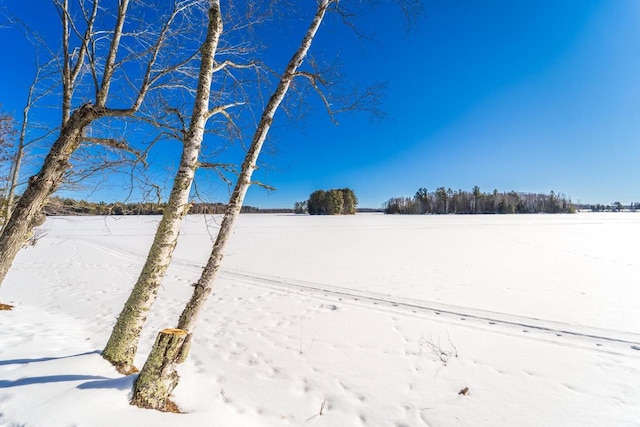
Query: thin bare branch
x: 265, y: 186
x: 85, y: 40
x: 231, y: 64
x: 109, y: 67
x: 113, y: 143
x: 314, y: 79
x: 221, y: 109
x: 220, y: 168
x: 230, y: 167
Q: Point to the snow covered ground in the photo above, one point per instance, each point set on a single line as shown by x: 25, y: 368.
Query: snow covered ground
x: 378, y: 320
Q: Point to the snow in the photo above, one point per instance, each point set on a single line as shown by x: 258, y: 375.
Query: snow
x: 536, y: 314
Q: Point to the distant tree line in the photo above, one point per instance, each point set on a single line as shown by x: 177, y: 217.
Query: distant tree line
x: 59, y: 206
x: 341, y: 201
x: 613, y: 207
x: 446, y: 201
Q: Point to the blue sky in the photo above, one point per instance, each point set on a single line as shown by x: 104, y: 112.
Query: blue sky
x: 513, y: 95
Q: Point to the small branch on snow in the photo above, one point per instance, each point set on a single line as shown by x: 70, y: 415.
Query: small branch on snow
x: 324, y: 402
x: 437, y: 350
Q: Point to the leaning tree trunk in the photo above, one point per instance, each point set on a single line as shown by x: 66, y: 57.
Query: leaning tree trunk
x: 123, y: 343
x: 41, y: 186
x: 156, y: 379
x: 29, y: 209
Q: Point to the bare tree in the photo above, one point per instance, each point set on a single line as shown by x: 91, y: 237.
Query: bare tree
x: 158, y: 376
x: 123, y: 343
x: 94, y: 59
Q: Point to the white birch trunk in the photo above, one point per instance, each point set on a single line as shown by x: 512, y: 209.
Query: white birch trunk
x: 123, y: 343
x: 154, y: 378
x: 202, y: 289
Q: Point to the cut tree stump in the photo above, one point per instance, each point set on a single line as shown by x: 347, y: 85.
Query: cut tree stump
x: 158, y: 376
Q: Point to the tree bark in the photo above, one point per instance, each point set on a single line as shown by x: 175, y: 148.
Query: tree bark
x: 202, y: 289
x: 42, y: 185
x: 123, y: 342
x: 158, y: 377
x: 167, y: 375
x: 47, y: 181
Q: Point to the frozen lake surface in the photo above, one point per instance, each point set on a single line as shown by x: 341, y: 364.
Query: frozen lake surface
x: 365, y: 313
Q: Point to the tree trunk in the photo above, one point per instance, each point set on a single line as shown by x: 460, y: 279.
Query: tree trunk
x: 202, y: 289
x: 158, y: 377
x: 123, y: 343
x: 42, y: 185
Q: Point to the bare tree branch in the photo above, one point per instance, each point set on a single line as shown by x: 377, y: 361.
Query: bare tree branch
x: 113, y: 143
x: 231, y: 64
x: 314, y: 79
x: 222, y: 109
x: 109, y: 67
x: 229, y: 167
x: 265, y: 186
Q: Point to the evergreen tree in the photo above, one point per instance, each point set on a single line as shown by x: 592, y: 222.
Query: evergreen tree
x: 332, y: 202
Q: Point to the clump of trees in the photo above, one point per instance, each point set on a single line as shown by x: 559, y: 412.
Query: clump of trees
x: 341, y: 201
x: 445, y: 201
x: 613, y: 207
x: 300, y: 207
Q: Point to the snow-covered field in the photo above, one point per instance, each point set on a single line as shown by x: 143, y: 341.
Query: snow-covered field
x: 539, y: 316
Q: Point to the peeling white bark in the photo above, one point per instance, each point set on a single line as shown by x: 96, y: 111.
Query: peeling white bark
x: 203, y: 287
x: 123, y: 343
x: 155, y: 379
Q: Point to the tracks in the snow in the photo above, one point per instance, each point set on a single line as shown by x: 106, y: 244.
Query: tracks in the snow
x: 526, y: 324
x: 413, y: 306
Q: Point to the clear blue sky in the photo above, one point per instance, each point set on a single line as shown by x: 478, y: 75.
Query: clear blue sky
x: 513, y: 95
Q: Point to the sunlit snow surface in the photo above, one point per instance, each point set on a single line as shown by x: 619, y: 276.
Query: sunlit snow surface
x: 543, y: 312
